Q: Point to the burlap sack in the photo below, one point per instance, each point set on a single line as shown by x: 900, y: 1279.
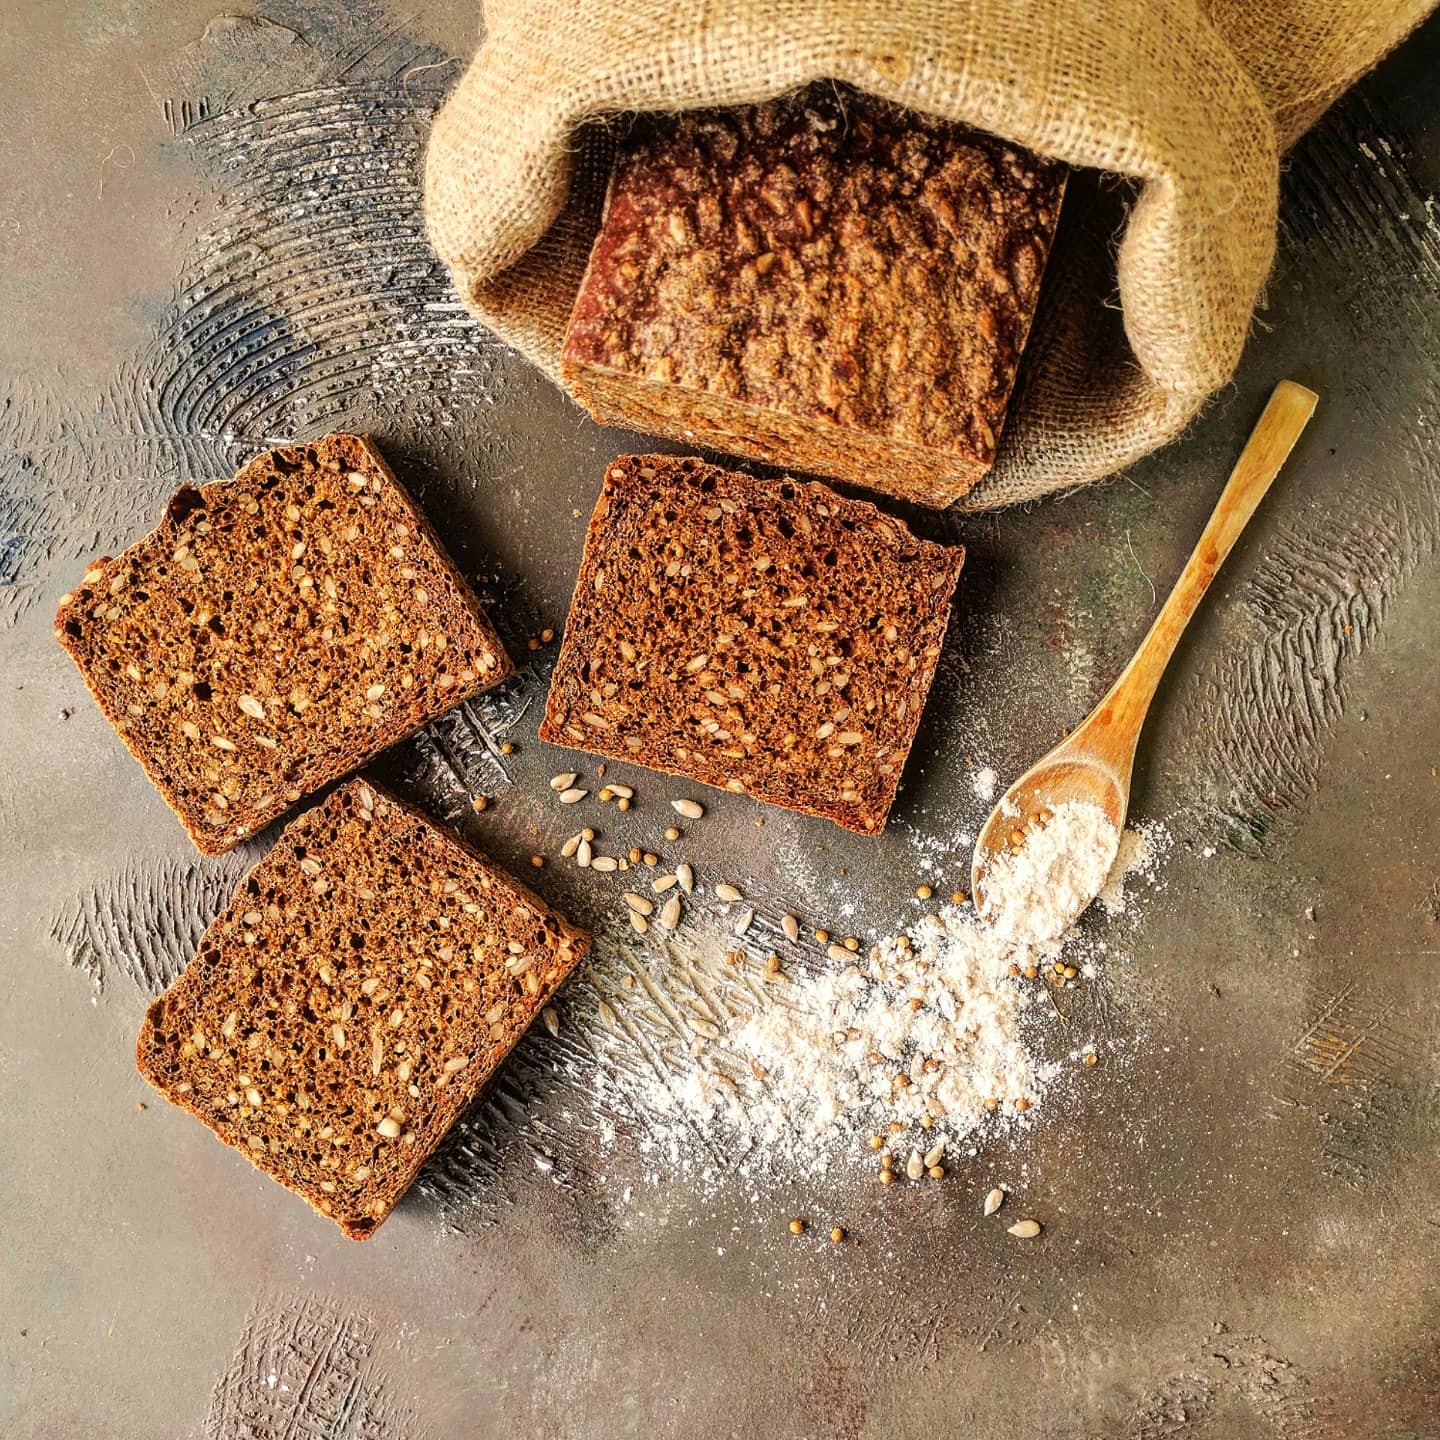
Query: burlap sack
x: 1191, y: 100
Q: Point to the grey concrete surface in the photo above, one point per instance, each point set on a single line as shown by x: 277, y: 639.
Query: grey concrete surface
x: 211, y: 243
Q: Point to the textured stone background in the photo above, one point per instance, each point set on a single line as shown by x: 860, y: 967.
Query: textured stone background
x: 211, y: 243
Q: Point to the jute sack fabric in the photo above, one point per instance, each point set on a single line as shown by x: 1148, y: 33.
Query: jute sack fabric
x: 1191, y: 103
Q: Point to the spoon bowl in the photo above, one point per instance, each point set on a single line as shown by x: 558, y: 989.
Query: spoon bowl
x: 1031, y: 800
x: 1095, y: 763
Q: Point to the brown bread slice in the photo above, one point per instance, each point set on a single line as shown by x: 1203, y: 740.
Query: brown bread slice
x: 769, y: 637
x: 276, y: 631
x: 824, y: 282
x: 367, y: 979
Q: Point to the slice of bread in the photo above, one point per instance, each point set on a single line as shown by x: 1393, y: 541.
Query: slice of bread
x: 276, y: 631
x: 769, y: 637
x: 365, y: 982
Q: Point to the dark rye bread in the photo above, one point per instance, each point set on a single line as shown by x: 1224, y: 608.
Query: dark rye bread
x: 367, y: 979
x: 276, y: 631
x: 824, y: 282
x: 769, y: 637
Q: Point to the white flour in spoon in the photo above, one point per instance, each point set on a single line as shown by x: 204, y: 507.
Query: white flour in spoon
x: 1037, y: 892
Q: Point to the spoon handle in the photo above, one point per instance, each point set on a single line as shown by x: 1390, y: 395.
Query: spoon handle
x: 1267, y: 449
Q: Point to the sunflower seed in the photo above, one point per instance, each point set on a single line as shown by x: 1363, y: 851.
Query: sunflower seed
x: 552, y: 1020
x: 572, y: 795
x: 744, y: 920
x: 661, y: 885
x: 686, y: 876
x: 791, y: 926
x: 570, y: 847
x: 1025, y: 1229
x: 604, y: 863
x: 690, y: 809
x: 915, y: 1166
x: 583, y: 854
x: 670, y: 913
x: 251, y: 706
x: 708, y: 1028
x: 994, y: 1200
x: 621, y: 792
x: 838, y: 952
x: 638, y: 903
x: 727, y: 893
x: 638, y: 922
x: 607, y: 1015
x: 563, y: 782
x: 933, y: 1155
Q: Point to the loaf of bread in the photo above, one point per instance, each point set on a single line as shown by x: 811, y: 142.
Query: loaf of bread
x: 276, y: 631
x: 365, y: 982
x: 824, y: 282
x: 769, y: 637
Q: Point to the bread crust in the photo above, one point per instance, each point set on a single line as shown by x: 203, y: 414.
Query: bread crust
x: 824, y: 282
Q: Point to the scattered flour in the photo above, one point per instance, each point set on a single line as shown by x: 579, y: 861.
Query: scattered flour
x: 929, y: 1027
x: 1037, y: 892
x: 950, y: 1033
x: 984, y: 782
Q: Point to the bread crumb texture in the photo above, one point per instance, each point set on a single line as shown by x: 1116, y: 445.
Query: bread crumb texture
x: 365, y: 982
x: 825, y: 281
x: 771, y: 638
x: 276, y: 631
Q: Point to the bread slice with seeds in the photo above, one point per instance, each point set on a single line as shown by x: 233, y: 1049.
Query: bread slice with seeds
x: 276, y: 631
x: 769, y: 637
x: 367, y: 979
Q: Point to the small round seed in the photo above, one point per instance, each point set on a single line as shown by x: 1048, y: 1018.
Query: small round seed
x: 936, y: 1172
x: 1092, y: 1059
x: 822, y: 937
x: 923, y: 892
x: 671, y: 833
x: 538, y: 861
x: 876, y: 1142
x: 887, y: 1177
x: 837, y: 1236
x: 797, y: 1227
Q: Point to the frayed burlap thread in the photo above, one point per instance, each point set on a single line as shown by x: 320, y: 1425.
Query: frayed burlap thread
x: 1189, y: 104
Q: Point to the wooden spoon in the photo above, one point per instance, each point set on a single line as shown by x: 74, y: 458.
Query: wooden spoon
x: 1095, y: 761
